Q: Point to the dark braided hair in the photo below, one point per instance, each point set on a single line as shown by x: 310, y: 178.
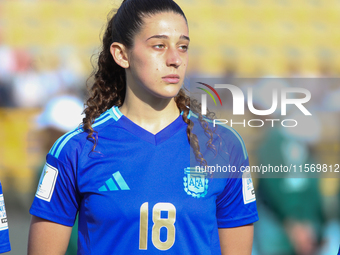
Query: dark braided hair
x: 109, y: 84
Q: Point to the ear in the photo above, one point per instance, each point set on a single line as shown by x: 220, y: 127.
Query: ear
x: 119, y: 54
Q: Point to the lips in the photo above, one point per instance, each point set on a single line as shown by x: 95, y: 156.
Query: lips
x: 171, y: 78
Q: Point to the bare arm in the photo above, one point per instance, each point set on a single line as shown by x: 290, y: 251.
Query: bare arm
x: 46, y: 237
x: 238, y: 240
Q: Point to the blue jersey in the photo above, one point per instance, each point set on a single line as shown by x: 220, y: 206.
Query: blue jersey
x: 4, y: 238
x: 137, y: 193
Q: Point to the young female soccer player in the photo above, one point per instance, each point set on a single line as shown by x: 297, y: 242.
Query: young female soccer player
x: 126, y: 171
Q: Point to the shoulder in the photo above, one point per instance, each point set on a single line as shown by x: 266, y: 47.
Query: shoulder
x: 224, y: 135
x: 71, y: 144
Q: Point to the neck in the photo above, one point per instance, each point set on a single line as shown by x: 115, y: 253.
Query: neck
x: 153, y: 115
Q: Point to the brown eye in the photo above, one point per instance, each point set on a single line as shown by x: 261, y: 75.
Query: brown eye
x: 159, y: 46
x: 184, y: 47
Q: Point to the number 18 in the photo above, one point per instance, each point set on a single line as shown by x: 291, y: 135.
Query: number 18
x: 158, y: 223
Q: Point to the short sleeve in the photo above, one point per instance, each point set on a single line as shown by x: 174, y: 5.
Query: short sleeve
x: 236, y: 205
x: 57, y: 198
x: 4, y: 235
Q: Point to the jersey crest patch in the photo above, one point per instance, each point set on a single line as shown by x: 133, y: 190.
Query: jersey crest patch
x: 248, y: 188
x: 47, y: 183
x: 195, y: 183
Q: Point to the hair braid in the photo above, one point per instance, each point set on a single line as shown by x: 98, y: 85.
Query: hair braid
x: 183, y: 103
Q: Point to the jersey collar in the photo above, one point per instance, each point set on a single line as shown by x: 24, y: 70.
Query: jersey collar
x: 135, y: 129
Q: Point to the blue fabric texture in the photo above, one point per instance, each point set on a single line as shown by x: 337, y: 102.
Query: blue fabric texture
x: 5, y: 245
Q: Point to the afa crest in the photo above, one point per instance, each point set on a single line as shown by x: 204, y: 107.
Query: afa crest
x: 195, y: 182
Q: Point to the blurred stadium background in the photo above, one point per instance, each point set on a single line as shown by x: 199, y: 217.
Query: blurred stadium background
x: 46, y: 48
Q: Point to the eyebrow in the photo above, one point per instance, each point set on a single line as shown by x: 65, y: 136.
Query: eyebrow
x: 182, y: 37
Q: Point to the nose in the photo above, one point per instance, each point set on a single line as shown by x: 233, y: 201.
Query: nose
x: 173, y: 58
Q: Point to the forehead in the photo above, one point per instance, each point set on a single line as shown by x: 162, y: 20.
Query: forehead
x: 164, y: 23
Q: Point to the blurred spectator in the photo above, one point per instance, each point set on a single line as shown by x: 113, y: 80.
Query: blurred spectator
x: 7, y: 63
x: 7, y: 67
x: 5, y: 94
x: 331, y: 101
x: 291, y: 208
x: 28, y: 90
x: 61, y: 114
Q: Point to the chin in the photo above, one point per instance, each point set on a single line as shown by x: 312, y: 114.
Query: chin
x: 167, y: 94
x: 171, y: 94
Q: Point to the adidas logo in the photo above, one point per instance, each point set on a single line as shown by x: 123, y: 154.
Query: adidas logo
x: 112, y: 185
